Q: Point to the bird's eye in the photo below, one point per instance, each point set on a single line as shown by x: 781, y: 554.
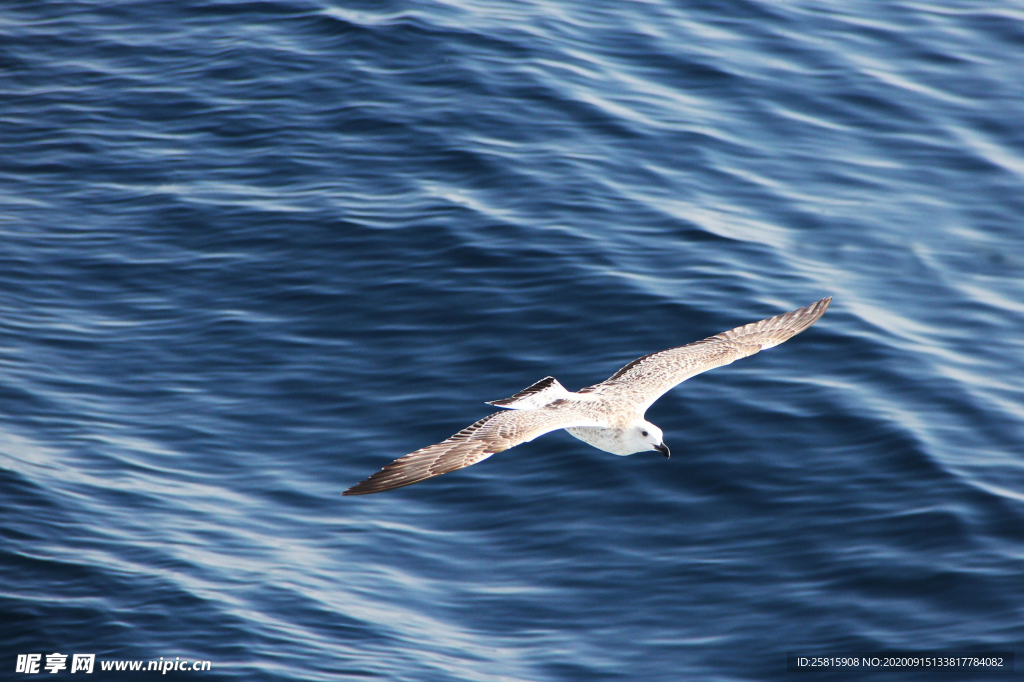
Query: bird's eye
x: 643, y: 433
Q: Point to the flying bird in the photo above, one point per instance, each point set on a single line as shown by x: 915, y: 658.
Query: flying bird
x: 608, y: 415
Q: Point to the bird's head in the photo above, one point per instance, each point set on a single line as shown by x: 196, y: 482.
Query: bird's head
x: 647, y: 436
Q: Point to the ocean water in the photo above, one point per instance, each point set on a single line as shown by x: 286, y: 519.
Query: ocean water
x: 250, y: 252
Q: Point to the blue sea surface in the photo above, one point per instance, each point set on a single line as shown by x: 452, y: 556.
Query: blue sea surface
x: 252, y: 251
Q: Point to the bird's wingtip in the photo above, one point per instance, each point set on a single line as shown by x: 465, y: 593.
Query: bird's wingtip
x: 362, y: 488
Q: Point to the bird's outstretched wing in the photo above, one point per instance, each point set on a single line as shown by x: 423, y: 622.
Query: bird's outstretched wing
x: 475, y: 443
x: 646, y: 379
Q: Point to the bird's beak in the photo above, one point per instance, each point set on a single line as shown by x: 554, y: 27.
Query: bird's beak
x: 663, y: 449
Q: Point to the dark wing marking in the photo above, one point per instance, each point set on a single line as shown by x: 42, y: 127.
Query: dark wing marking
x: 646, y: 379
x: 529, y: 390
x: 494, y: 433
x: 543, y: 393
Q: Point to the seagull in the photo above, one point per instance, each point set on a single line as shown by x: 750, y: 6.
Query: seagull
x: 608, y: 415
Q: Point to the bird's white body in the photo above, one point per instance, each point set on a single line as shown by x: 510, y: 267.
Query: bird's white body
x: 618, y: 440
x: 621, y: 441
x: 608, y: 415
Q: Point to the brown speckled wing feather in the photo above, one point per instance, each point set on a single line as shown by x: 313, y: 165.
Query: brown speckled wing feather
x: 646, y: 379
x: 475, y: 443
